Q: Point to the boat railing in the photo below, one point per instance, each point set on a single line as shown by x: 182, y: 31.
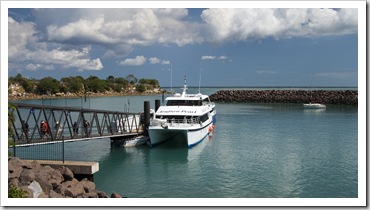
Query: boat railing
x: 172, y: 121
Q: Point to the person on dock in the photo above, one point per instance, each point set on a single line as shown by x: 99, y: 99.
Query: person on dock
x: 87, y: 128
x: 45, y: 131
x: 75, y: 128
x: 58, y: 129
x: 25, y: 129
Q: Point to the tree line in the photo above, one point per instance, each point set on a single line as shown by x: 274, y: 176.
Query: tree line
x: 78, y: 84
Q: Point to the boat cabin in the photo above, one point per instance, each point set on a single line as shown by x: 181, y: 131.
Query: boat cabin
x: 189, y: 100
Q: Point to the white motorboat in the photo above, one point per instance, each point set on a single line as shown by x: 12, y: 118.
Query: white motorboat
x: 187, y: 116
x: 137, y: 141
x: 314, y: 106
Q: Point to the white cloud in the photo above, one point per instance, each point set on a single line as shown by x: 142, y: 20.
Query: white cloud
x: 118, y: 31
x: 120, y: 26
x: 165, y: 62
x: 208, y: 57
x: 154, y: 60
x: 243, y: 24
x: 137, y: 61
x: 27, y: 52
x: 211, y: 57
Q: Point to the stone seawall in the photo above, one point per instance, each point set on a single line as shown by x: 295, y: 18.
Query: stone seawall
x: 348, y: 97
x: 46, y: 182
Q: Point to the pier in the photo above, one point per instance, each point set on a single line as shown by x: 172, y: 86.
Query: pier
x: 39, y: 124
x: 50, y: 127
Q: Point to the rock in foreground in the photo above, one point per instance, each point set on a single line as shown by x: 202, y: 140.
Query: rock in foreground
x: 45, y: 182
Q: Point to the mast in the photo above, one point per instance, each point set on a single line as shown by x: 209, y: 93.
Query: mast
x: 171, y: 79
x: 184, y: 88
x: 200, y: 77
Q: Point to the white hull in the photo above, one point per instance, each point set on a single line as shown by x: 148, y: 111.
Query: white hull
x: 140, y: 140
x: 314, y: 106
x: 192, y: 136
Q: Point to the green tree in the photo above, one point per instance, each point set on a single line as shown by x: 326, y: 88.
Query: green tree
x: 131, y: 79
x: 73, y: 84
x: 95, y: 85
x: 140, y: 88
x: 27, y: 84
x: 48, y: 85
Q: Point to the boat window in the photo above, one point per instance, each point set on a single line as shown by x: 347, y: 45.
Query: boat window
x: 206, y: 101
x: 184, y: 103
x: 204, y: 117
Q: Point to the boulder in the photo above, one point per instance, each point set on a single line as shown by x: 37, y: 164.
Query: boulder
x: 45, y: 182
x: 75, y: 190
x: 27, y: 177
x: 115, y: 195
x: 66, y: 173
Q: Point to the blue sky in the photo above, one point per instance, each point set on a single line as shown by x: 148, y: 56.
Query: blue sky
x: 227, y: 46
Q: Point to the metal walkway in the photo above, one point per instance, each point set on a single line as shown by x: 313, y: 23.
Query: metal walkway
x: 71, y: 124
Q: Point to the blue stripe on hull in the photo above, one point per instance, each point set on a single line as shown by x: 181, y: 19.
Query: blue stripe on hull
x: 213, y: 122
x: 192, y: 145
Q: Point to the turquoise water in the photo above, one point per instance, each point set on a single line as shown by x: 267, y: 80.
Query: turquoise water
x: 257, y: 151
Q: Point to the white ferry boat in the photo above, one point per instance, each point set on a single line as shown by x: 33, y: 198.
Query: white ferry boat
x: 187, y: 116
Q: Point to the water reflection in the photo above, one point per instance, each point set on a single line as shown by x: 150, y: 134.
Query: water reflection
x: 195, y: 151
x: 313, y: 111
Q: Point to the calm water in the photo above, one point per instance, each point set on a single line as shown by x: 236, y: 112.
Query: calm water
x: 257, y: 151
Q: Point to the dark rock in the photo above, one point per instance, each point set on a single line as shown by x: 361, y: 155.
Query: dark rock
x: 88, y: 186
x: 14, y: 183
x: 61, y: 189
x: 347, y: 97
x: 46, y: 182
x: 49, y: 175
x: 43, y: 195
x: 53, y: 194
x: 45, y: 185
x: 66, y: 173
x: 75, y: 191
x: 102, y: 194
x: 27, y: 176
x: 90, y: 195
x: 115, y: 195
x: 14, y: 172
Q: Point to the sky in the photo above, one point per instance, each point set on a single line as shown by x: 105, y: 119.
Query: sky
x: 243, y: 46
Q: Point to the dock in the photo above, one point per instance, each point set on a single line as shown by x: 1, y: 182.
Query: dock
x: 81, y: 169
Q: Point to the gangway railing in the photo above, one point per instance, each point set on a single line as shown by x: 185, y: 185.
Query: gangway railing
x: 70, y: 123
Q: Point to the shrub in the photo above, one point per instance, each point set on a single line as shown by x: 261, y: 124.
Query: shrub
x: 14, y: 192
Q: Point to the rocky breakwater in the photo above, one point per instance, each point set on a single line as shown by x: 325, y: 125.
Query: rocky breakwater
x: 45, y: 182
x: 348, y: 97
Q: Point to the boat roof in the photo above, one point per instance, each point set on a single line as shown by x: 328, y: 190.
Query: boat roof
x: 195, y: 97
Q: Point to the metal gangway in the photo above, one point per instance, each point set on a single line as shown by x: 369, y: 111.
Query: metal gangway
x: 71, y: 124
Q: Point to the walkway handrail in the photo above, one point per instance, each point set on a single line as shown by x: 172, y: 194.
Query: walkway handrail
x: 70, y: 122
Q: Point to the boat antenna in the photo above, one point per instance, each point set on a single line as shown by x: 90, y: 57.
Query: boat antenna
x: 171, y: 78
x: 200, y: 76
x: 185, y: 87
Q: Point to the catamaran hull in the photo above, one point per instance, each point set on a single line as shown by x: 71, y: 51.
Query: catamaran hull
x: 192, y: 136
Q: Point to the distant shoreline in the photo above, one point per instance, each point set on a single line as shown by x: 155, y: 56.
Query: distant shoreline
x: 72, y: 95
x: 272, y: 87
